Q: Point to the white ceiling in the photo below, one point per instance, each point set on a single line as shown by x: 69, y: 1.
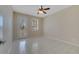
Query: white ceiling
x: 32, y: 9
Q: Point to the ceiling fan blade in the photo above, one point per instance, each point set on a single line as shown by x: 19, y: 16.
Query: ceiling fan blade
x: 46, y: 8
x: 44, y: 12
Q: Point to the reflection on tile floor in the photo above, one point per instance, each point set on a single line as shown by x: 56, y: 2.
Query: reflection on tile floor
x: 42, y: 46
x: 22, y: 46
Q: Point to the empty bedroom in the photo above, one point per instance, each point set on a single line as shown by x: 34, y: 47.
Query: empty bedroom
x: 39, y: 29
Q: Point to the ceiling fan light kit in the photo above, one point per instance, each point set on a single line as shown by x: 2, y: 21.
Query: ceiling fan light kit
x: 42, y: 10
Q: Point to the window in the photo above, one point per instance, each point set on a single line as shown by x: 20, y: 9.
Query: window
x: 1, y: 27
x: 35, y: 26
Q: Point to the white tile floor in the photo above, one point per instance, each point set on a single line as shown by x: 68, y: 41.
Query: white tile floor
x: 42, y: 46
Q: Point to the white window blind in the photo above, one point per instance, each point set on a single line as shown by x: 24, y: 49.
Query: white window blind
x: 35, y: 24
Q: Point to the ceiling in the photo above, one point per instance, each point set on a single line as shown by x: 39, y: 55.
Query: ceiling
x: 32, y: 9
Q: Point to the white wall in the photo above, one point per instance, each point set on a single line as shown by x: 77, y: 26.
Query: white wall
x: 6, y: 12
x: 63, y: 25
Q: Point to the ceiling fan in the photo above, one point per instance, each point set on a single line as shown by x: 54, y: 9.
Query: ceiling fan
x: 42, y: 10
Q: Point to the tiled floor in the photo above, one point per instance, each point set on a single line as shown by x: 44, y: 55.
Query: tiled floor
x: 42, y: 46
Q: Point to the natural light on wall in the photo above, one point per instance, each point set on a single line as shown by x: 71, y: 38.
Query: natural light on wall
x: 1, y: 27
